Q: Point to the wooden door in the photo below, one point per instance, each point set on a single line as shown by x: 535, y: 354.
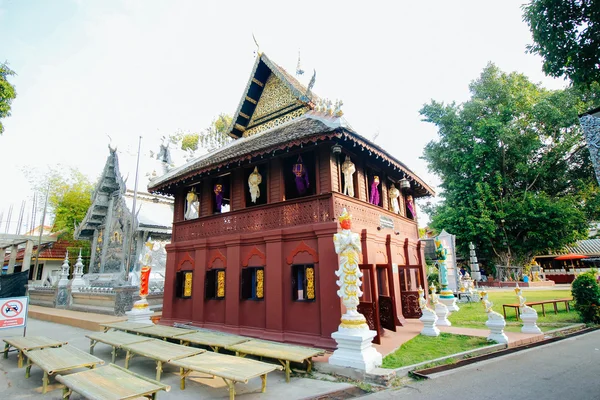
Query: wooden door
x: 410, y: 280
x: 369, y: 302
x: 387, y: 307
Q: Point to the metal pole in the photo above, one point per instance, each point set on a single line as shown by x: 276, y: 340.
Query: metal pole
x: 37, y: 253
x: 133, y: 211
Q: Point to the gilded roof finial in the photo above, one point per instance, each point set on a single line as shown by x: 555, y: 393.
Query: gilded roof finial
x: 257, y: 45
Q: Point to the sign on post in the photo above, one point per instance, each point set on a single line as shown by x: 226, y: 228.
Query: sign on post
x: 13, y: 313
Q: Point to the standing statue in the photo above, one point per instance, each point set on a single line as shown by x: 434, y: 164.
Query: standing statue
x: 302, y: 182
x: 440, y: 255
x: 410, y: 207
x: 254, y: 180
x: 394, y: 195
x: 428, y: 317
x: 374, y: 199
x: 495, y: 321
x: 218, y: 196
x: 348, y: 169
x: 527, y: 314
x: 347, y: 245
x: 353, y: 337
x: 192, y: 205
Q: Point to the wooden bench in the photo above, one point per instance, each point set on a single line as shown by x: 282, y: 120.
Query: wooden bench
x: 160, y: 351
x: 29, y: 343
x: 162, y: 332
x: 214, y: 340
x: 115, y: 339
x: 229, y: 368
x: 283, y: 353
x: 125, y: 326
x: 536, y: 303
x: 58, y: 359
x: 110, y: 383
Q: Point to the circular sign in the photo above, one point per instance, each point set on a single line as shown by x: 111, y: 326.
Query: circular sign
x: 11, y: 308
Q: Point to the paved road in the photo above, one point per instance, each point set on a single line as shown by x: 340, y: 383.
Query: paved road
x: 565, y: 370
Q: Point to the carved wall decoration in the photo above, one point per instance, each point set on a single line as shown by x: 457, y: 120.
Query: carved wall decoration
x: 260, y: 278
x: 252, y: 253
x: 274, y: 97
x: 217, y: 255
x: 186, y: 259
x: 302, y: 247
x: 310, y: 283
x: 276, y: 122
x: 220, y: 283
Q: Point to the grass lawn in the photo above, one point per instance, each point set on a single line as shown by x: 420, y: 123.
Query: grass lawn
x: 472, y: 315
x: 422, y: 348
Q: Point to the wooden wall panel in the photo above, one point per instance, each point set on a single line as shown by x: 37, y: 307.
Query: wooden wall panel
x: 362, y: 182
x: 206, y: 199
x: 275, y: 183
x: 325, y: 163
x: 237, y: 189
x: 385, y: 200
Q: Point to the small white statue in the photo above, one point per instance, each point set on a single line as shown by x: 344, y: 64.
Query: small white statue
x: 192, y: 205
x: 428, y: 317
x: 394, y: 194
x: 440, y: 308
x: 495, y: 321
x: 528, y: 315
x: 254, y: 180
x: 348, y: 169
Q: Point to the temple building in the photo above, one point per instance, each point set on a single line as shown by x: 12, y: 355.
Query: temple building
x: 252, y: 249
x: 116, y: 243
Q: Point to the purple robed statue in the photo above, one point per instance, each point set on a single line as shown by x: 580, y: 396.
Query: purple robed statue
x: 374, y: 191
x: 302, y: 182
x: 218, y: 196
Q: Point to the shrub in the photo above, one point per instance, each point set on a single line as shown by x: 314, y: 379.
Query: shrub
x: 586, y: 294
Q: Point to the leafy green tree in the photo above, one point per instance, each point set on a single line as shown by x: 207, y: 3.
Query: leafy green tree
x: 567, y: 35
x: 212, y: 138
x: 512, y: 160
x: 7, y: 93
x: 69, y: 198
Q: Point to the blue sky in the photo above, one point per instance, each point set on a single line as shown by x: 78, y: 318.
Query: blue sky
x: 88, y: 69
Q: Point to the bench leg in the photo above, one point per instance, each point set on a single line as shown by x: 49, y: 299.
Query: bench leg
x: 158, y: 369
x: 184, y: 374
x: 555, y: 309
x: 231, y: 386
x: 567, y: 306
x: 286, y: 366
x: 20, y: 359
x: 543, y: 310
x: 309, y: 366
x: 504, y: 310
x: 66, y: 393
x: 114, y: 354
x: 264, y: 382
x: 28, y: 369
x: 6, y: 347
x: 128, y: 357
x: 45, y: 380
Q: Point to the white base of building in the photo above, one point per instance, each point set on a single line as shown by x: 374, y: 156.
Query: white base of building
x: 529, y: 323
x: 496, y: 327
x: 141, y: 313
x: 449, y: 302
x: 429, y: 320
x: 441, y: 311
x: 355, y: 350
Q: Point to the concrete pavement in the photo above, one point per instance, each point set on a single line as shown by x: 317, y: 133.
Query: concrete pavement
x: 568, y: 369
x: 13, y: 384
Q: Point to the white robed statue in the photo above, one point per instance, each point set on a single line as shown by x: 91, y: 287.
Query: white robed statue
x: 254, y: 180
x: 353, y: 337
x: 348, y: 169
x: 528, y: 314
x: 394, y: 194
x: 347, y: 245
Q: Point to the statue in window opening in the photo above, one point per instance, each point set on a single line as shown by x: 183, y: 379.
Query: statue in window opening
x: 394, y: 194
x: 192, y: 205
x: 218, y: 196
x: 302, y: 182
x: 410, y: 207
x: 374, y: 199
x: 348, y: 169
x: 254, y: 180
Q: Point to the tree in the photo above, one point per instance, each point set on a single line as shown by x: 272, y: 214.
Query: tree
x: 567, y: 35
x: 212, y: 138
x: 69, y: 198
x: 7, y: 93
x: 512, y: 160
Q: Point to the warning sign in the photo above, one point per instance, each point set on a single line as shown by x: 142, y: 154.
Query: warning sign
x: 13, y: 313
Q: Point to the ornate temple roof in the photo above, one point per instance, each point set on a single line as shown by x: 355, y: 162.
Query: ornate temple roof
x: 298, y: 96
x: 155, y: 212
x: 276, y: 113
